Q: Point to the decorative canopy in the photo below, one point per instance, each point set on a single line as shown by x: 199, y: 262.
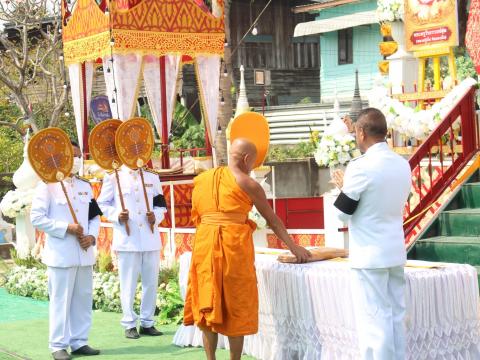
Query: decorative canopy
x: 146, y: 27
x: 149, y: 39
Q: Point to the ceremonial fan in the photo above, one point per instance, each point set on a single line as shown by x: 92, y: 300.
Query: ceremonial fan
x: 50, y: 153
x: 253, y: 127
x: 102, y: 148
x: 134, y: 143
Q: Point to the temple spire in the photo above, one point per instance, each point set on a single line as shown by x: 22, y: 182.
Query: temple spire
x: 242, y: 102
x: 357, y: 100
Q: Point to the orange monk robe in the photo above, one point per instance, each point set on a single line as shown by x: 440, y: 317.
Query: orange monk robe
x: 222, y: 287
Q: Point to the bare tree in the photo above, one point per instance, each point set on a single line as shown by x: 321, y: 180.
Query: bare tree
x: 31, y: 61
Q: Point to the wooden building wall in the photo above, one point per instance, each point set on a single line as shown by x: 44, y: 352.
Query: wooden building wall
x: 294, y: 63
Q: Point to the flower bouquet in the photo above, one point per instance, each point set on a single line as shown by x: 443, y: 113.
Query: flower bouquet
x: 16, y: 202
x: 334, y: 150
x: 415, y: 123
x: 390, y: 10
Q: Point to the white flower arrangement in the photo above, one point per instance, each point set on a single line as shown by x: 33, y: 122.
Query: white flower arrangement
x: 16, y: 202
x: 257, y: 218
x: 33, y: 282
x: 413, y: 122
x: 27, y: 282
x: 390, y: 10
x: 337, y: 149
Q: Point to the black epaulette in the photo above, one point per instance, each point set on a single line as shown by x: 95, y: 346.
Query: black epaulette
x: 82, y: 178
x: 151, y: 171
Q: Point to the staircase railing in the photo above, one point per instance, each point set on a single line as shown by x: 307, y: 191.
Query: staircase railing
x: 440, y: 159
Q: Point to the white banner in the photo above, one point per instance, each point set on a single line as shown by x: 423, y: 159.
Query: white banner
x: 208, y: 77
x: 124, y: 76
x: 76, y: 85
x: 153, y: 88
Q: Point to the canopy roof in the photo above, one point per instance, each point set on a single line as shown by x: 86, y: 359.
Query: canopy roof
x: 335, y: 23
x: 147, y: 27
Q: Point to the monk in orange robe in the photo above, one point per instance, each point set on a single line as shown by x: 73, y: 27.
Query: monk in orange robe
x: 222, y: 292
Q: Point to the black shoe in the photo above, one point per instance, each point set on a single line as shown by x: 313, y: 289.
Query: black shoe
x: 61, y: 355
x: 132, y: 333
x: 151, y: 331
x: 86, y: 350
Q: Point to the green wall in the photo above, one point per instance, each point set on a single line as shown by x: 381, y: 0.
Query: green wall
x: 366, y: 54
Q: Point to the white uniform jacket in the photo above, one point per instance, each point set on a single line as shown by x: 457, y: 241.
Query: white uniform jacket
x: 141, y: 237
x: 375, y: 190
x: 50, y: 213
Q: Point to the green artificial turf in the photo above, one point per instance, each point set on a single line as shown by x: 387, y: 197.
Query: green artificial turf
x: 24, y: 333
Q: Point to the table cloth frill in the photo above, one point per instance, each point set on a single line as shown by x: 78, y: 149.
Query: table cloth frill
x: 306, y: 312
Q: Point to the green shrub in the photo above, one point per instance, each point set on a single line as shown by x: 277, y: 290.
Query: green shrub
x: 30, y: 262
x: 104, y: 262
x: 32, y: 282
x: 303, y: 150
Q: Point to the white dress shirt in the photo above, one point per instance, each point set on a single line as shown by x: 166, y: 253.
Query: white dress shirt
x: 375, y: 190
x: 141, y: 237
x: 50, y: 213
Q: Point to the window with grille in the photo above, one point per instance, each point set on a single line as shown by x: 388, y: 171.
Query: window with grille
x: 345, y: 46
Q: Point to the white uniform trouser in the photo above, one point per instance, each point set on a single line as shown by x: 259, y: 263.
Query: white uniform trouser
x: 70, y: 309
x: 380, y: 312
x: 130, y: 265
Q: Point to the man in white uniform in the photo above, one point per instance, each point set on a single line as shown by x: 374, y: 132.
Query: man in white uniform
x: 375, y: 189
x: 139, y: 253
x: 69, y: 256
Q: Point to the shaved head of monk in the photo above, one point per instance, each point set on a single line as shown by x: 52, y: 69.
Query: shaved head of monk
x: 243, y: 155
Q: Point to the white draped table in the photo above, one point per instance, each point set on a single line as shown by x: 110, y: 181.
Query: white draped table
x: 306, y: 312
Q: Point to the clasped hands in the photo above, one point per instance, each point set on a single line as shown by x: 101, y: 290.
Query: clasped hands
x: 337, y: 175
x: 123, y: 217
x: 337, y: 178
x: 85, y: 240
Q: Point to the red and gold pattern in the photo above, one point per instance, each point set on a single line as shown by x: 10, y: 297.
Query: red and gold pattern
x: 300, y: 239
x: 183, y: 201
x: 104, y: 240
x: 153, y: 27
x: 472, y: 38
x: 183, y: 206
x: 183, y: 243
x: 164, y: 240
x: 126, y: 4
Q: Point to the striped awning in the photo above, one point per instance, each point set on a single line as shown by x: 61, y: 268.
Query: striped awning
x: 336, y: 23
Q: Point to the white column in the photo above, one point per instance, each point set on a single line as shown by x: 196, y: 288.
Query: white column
x: 403, y: 67
x: 333, y: 237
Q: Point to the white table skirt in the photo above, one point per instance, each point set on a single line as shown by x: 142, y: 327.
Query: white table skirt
x: 306, y: 312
